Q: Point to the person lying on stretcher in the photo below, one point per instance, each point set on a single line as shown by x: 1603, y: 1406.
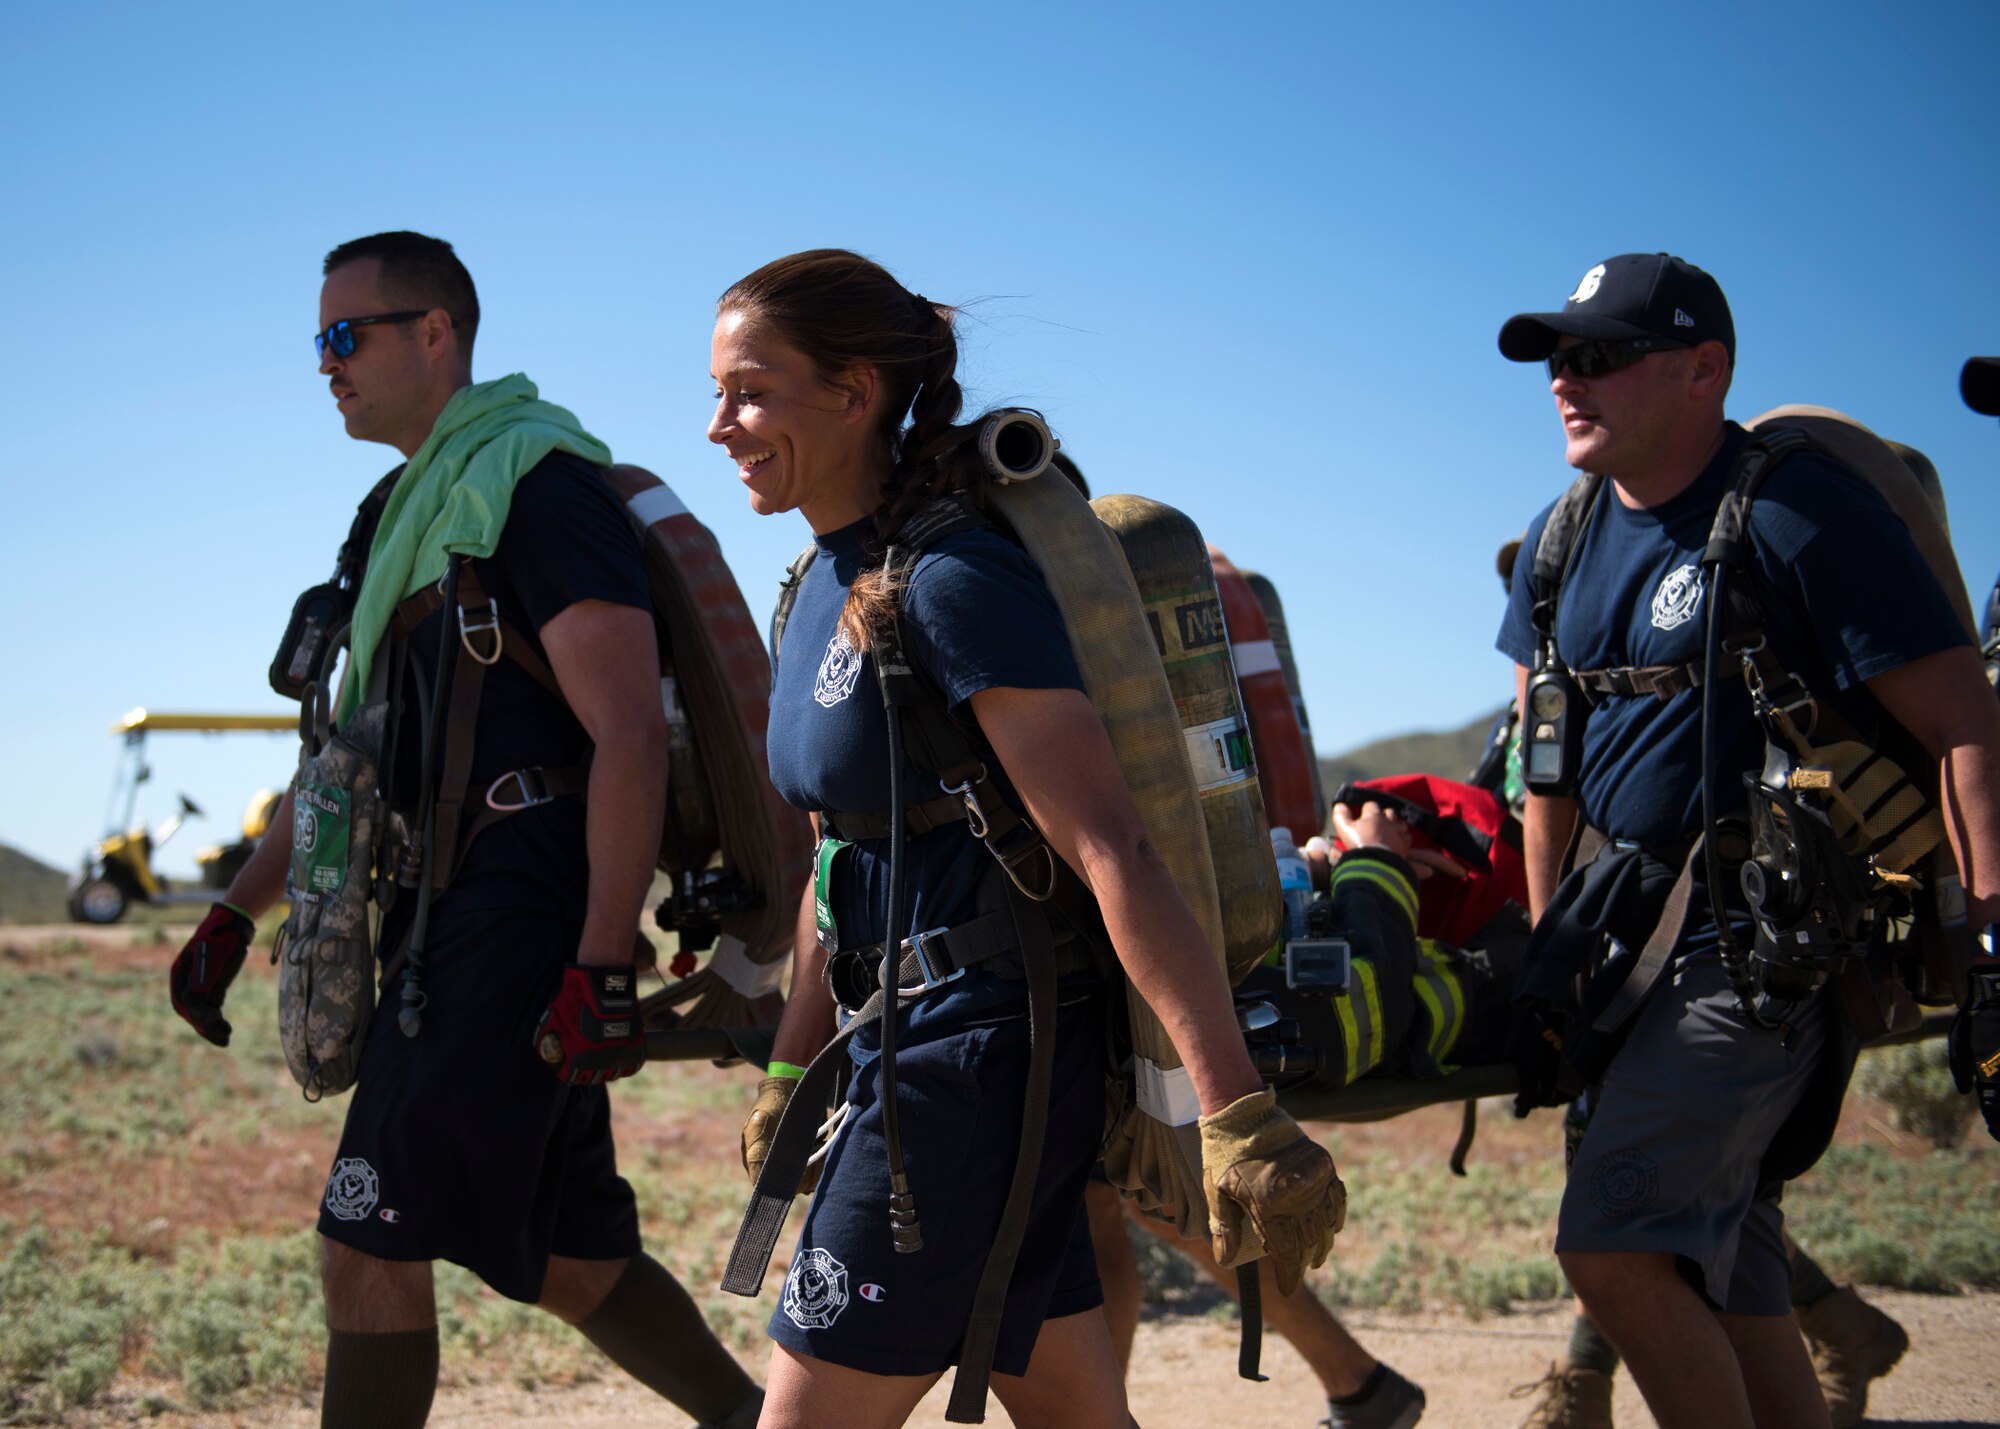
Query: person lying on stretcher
x: 1412, y: 1004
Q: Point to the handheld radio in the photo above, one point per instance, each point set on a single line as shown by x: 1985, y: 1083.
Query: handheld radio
x: 1551, y: 731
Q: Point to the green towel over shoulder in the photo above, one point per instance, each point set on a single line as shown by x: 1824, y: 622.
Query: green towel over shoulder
x: 452, y: 499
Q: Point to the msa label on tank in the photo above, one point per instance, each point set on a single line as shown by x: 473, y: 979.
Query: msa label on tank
x: 1200, y: 623
x: 321, y: 819
x: 1187, y: 625
x: 1219, y: 753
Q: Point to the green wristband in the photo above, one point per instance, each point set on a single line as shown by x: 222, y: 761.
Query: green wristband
x: 784, y: 1069
x: 237, y: 911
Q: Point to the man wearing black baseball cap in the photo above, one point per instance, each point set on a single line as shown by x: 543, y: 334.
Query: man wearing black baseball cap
x: 1670, y: 1229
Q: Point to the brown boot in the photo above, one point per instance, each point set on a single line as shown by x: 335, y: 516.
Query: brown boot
x: 1852, y: 1343
x: 1568, y: 1397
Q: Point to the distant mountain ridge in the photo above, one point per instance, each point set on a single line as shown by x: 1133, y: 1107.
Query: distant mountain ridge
x: 31, y: 891
x: 1450, y: 754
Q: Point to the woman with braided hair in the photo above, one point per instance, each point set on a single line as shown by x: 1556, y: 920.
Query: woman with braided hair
x: 819, y: 358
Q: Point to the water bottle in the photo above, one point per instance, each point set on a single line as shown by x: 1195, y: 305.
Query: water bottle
x: 1294, y: 882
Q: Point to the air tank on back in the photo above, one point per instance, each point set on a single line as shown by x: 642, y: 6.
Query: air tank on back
x: 1284, y: 758
x: 1170, y: 564
x: 1281, y: 637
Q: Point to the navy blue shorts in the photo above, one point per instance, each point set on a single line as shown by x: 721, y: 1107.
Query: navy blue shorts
x: 460, y: 1144
x: 851, y: 1299
x: 1672, y: 1157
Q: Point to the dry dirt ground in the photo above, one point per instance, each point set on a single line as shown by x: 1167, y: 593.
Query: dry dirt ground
x: 1185, y: 1359
x: 1184, y: 1376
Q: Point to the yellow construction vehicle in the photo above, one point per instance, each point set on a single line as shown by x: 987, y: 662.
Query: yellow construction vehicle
x: 118, y: 871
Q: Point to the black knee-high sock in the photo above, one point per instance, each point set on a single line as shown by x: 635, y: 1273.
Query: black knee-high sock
x: 652, y: 1329
x: 381, y: 1381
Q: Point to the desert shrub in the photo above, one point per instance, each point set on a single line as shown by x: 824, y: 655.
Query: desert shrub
x: 62, y: 1327
x: 1913, y: 1082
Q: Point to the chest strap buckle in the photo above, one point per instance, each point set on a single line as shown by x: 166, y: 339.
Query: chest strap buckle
x: 471, y: 622
x: 933, y: 970
x: 529, y: 784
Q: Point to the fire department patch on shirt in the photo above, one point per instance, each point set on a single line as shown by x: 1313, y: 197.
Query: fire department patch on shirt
x: 838, y: 670
x: 815, y: 1290
x: 1675, y: 601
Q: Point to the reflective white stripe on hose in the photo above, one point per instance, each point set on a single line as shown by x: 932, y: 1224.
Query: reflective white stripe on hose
x: 1255, y: 657
x: 1166, y: 1093
x: 731, y: 962
x: 655, y: 503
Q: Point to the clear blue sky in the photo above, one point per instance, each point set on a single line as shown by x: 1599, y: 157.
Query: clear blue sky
x: 1250, y: 260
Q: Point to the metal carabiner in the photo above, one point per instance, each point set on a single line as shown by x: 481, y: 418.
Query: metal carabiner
x: 975, y: 817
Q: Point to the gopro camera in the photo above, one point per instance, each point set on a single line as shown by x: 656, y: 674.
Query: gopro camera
x: 1318, y: 965
x: 1551, y: 732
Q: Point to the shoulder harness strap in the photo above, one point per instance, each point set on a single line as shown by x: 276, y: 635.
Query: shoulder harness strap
x: 484, y: 639
x: 1555, y: 552
x: 788, y: 596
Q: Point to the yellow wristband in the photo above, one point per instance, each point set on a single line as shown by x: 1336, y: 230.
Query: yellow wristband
x: 784, y: 1069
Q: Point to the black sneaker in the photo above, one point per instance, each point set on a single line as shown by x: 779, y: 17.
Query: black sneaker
x: 1395, y: 1404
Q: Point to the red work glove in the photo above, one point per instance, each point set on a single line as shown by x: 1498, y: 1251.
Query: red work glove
x: 201, y: 975
x: 591, y: 1032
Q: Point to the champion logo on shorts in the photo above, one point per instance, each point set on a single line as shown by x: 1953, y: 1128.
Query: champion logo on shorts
x: 872, y: 1293
x: 839, y: 668
x: 1625, y: 1183
x: 352, y: 1189
x: 389, y: 1214
x: 1675, y: 601
x: 815, y: 1290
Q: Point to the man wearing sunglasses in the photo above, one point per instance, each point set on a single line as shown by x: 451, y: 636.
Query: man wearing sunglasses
x: 1669, y: 1228
x: 463, y: 1142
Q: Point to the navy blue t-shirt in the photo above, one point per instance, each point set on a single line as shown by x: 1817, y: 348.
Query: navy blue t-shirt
x: 1847, y: 597
x: 567, y: 539
x: 977, y: 615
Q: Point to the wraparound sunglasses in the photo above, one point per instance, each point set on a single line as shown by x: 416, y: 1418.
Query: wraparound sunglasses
x: 340, y: 335
x: 1593, y: 359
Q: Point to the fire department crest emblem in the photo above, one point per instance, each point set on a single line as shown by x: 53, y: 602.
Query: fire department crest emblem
x: 816, y: 1290
x: 352, y: 1189
x: 839, y: 668
x: 1675, y: 601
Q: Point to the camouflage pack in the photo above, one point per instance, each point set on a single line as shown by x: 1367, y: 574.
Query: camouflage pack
x: 326, y: 951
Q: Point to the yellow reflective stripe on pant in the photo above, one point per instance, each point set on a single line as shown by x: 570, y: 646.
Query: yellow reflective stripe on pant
x: 1441, y: 998
x: 1360, y: 1014
x: 1386, y: 879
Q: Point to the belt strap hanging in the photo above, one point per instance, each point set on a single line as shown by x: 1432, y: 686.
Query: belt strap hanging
x: 982, y: 1332
x: 1659, y: 949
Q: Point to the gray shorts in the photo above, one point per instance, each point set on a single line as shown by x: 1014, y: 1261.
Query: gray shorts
x: 1686, y: 1111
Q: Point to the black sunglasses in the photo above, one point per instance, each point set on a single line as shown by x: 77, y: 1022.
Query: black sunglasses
x: 340, y: 336
x: 1594, y: 359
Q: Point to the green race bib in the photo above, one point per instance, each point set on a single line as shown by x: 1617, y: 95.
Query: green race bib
x: 322, y: 821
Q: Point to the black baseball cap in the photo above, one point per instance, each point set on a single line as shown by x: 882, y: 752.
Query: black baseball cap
x: 1629, y: 298
x: 1979, y: 384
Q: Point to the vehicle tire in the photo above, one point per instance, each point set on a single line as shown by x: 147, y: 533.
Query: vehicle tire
x: 98, y: 900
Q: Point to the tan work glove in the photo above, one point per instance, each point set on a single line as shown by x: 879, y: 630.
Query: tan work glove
x: 1270, y: 1187
x: 774, y: 1094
